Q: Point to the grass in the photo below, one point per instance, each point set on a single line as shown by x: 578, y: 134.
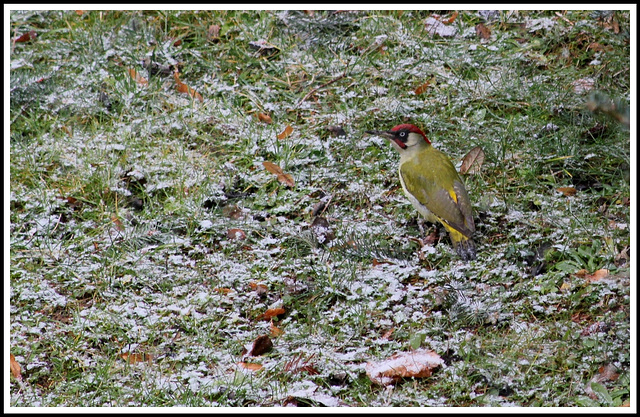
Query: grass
x: 129, y: 287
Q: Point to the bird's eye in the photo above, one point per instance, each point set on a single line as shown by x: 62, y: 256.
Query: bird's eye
x: 403, y: 136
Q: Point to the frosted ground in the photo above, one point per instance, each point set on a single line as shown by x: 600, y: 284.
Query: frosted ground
x: 148, y: 240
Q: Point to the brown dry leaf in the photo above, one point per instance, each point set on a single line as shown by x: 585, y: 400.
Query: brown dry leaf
x: 15, y: 367
x: 80, y: 12
x: 597, y: 276
x: 237, y: 234
x: 423, y: 87
x: 472, y: 162
x: 286, y: 132
x: 250, y: 366
x: 285, y: 179
x: 417, y: 364
x: 137, y: 77
x: 272, y: 168
x: 183, y: 88
x: 568, y: 191
x: 388, y: 333
x: 270, y: 313
x: 116, y: 221
x: 275, y: 330
x: 261, y: 289
x: 265, y: 118
x: 482, y: 31
x: 261, y: 345
x: 178, y: 42
x: 222, y: 290
x: 451, y: 19
x: 605, y: 373
x: 26, y: 37
x: 137, y: 357
x: 213, y: 34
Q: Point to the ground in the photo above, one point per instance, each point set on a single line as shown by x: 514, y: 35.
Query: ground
x: 185, y: 183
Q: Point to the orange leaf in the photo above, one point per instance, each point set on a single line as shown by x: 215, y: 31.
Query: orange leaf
x: 26, y: 37
x: 265, y: 118
x: 137, y: 77
x: 79, y: 12
x: 275, y: 331
x: 183, y: 88
x: 270, y: 313
x: 451, y: 19
x: 15, y: 367
x: 223, y: 290
x: 472, y: 162
x: 285, y: 179
x: 137, y: 357
x: 259, y: 288
x: 287, y: 131
x: 598, y: 275
x: 178, y: 42
x: 568, y: 191
x: 250, y: 366
x: 272, y: 168
x: 422, y: 88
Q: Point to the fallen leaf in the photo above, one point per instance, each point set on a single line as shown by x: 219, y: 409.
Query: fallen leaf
x: 177, y: 42
x: 583, y: 84
x: 261, y: 345
x: 270, y: 313
x: 261, y: 289
x: 250, y: 366
x: 236, y: 234
x: 597, y: 276
x: 451, y: 19
x: 213, y: 34
x: 80, y: 12
x: 183, y: 88
x: 322, y: 230
x: 137, y: 357
x: 265, y: 118
x: 222, y: 290
x: 116, y: 221
x: 285, y: 179
x: 472, y: 162
x: 275, y: 331
x: 336, y: 131
x: 597, y: 327
x: 137, y: 77
x: 605, y: 373
x: 286, y: 132
x: 388, y: 333
x: 15, y: 367
x: 26, y: 37
x: 423, y: 87
x: 415, y: 364
x: 482, y: 31
x: 436, y: 27
x: 568, y: 191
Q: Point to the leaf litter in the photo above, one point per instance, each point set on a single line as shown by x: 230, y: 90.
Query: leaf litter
x: 185, y: 298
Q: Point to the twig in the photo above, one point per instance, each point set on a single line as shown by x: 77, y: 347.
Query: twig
x: 310, y: 93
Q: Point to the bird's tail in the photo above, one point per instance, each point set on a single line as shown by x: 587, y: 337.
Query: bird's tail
x: 464, y: 245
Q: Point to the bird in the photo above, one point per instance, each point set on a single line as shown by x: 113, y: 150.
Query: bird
x: 433, y: 186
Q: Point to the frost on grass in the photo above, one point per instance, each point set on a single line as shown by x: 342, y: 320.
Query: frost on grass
x: 94, y: 277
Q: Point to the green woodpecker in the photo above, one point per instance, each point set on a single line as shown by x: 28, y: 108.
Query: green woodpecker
x: 433, y: 186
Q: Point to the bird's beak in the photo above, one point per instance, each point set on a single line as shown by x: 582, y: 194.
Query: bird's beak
x: 383, y: 133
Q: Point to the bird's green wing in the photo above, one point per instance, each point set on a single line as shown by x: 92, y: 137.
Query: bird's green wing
x: 433, y: 188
